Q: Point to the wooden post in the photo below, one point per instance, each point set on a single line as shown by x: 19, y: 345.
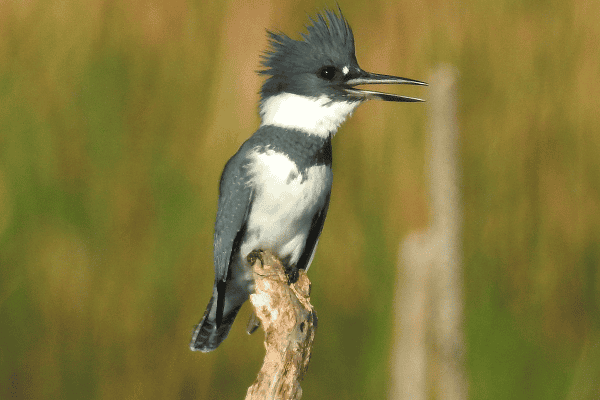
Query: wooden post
x: 428, y: 356
x: 289, y: 322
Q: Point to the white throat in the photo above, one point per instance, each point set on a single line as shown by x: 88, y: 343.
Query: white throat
x: 314, y: 115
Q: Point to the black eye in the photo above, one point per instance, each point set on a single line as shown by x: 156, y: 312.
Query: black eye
x: 327, y: 72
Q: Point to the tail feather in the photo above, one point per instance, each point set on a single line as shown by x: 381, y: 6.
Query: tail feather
x: 209, y: 334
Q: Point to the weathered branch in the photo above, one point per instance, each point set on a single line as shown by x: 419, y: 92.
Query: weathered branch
x: 289, y: 322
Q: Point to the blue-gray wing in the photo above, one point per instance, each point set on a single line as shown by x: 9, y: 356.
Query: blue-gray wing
x: 235, y: 199
x: 316, y: 227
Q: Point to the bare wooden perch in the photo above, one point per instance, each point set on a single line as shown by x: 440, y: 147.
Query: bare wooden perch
x: 289, y: 322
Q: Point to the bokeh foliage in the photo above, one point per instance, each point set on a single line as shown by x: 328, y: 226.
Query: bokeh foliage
x: 116, y: 119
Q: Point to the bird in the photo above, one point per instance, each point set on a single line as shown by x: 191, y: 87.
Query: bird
x: 274, y: 192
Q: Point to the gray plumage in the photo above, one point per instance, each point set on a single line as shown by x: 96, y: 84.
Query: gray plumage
x: 274, y: 192
x: 233, y: 277
x: 235, y: 190
x: 290, y: 64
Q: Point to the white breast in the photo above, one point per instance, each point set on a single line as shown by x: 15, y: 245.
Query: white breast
x: 284, y: 204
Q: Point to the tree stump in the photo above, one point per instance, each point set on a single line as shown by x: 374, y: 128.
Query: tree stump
x: 289, y: 322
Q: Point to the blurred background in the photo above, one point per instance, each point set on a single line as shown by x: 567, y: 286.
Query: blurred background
x: 116, y: 119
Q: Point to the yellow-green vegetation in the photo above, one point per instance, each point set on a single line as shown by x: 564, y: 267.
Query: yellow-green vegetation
x: 116, y: 119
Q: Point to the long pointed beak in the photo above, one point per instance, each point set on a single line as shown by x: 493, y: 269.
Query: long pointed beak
x: 370, y: 78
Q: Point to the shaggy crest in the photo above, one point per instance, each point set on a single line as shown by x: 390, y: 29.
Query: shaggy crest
x: 329, y: 41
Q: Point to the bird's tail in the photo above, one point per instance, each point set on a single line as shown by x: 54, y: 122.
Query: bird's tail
x: 209, y: 333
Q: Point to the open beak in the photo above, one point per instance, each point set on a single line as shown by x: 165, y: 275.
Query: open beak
x: 370, y: 78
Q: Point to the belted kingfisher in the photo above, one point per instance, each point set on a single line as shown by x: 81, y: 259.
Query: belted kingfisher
x: 274, y: 192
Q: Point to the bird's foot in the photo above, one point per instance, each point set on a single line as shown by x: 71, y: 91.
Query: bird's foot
x: 292, y: 274
x: 255, y: 255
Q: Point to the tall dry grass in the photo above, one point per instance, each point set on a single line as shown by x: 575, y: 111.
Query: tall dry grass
x: 116, y: 119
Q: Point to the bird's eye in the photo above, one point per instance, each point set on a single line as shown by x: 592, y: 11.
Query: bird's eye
x: 327, y: 72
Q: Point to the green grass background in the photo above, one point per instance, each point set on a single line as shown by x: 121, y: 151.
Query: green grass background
x: 116, y: 119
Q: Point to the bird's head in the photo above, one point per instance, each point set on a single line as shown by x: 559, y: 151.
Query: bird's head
x: 314, y: 79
